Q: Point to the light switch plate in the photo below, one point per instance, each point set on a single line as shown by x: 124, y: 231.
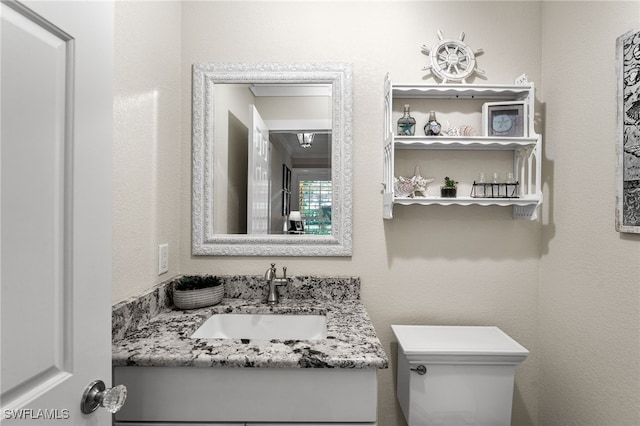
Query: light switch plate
x: 163, y: 259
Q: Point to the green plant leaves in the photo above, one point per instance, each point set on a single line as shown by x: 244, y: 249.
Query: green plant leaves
x: 194, y: 282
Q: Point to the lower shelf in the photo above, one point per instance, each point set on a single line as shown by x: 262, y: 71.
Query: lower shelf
x: 523, y: 208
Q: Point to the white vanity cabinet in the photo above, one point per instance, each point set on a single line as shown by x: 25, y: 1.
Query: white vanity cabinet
x: 247, y: 396
x: 239, y: 424
x: 461, y: 157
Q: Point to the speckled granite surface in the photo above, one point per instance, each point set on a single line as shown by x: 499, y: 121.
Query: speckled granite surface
x: 163, y: 339
x: 135, y: 311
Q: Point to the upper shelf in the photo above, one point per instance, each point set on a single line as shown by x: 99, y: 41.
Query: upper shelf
x: 467, y: 91
x: 463, y: 142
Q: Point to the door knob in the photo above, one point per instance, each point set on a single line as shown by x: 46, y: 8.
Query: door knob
x: 97, y: 395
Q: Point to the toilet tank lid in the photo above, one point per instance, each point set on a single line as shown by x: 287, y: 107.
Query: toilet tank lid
x: 427, y: 340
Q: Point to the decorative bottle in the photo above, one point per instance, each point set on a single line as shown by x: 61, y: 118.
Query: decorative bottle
x: 406, y: 123
x: 432, y: 128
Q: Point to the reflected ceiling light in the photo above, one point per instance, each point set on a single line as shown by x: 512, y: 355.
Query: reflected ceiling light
x: 305, y: 139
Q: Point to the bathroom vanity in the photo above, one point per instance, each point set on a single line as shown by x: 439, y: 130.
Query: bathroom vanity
x: 330, y: 379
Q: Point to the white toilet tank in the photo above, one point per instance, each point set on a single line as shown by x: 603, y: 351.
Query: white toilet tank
x: 456, y: 375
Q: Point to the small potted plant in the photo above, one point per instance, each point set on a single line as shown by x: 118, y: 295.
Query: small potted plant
x: 449, y: 189
x: 197, y: 291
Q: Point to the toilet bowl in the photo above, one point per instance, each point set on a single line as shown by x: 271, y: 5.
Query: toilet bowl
x: 456, y: 375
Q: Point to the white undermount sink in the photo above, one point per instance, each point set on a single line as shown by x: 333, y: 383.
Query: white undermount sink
x: 263, y: 327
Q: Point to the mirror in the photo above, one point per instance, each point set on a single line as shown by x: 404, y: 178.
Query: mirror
x: 271, y: 141
x: 271, y: 159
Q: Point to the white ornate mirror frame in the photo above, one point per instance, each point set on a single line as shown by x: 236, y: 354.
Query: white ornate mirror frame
x: 204, y: 241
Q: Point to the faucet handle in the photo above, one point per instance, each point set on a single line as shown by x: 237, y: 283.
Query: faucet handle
x: 284, y: 271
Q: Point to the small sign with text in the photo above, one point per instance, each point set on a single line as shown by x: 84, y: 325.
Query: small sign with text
x: 36, y: 414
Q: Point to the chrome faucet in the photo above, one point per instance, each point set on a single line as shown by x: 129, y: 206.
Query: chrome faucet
x: 273, y: 281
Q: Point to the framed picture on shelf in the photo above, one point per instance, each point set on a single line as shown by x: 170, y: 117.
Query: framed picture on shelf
x: 628, y: 134
x: 505, y: 119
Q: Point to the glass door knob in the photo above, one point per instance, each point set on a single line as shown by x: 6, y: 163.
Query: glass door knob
x: 97, y: 395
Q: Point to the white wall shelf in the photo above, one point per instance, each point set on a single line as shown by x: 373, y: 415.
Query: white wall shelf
x: 489, y: 92
x: 526, y: 150
x: 462, y: 142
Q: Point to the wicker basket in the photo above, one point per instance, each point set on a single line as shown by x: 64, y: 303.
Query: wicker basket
x: 192, y: 299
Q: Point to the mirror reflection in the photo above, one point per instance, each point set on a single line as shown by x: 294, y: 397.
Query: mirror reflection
x: 273, y: 158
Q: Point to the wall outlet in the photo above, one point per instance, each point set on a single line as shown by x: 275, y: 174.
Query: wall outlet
x: 163, y: 259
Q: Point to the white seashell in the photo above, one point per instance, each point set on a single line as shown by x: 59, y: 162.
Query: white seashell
x: 420, y: 185
x: 402, y: 187
x: 410, y: 187
x: 451, y: 130
x: 468, y: 131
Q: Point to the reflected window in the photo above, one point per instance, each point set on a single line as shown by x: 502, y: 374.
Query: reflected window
x: 315, y: 206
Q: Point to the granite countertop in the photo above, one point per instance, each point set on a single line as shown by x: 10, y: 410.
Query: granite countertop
x: 164, y: 339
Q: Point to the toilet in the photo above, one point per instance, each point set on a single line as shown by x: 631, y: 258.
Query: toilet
x: 456, y: 375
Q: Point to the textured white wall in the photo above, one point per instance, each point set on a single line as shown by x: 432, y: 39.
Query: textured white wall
x: 147, y: 90
x: 590, y: 274
x: 571, y: 298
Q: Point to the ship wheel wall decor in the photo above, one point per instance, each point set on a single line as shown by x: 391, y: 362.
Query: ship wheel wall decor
x: 451, y: 59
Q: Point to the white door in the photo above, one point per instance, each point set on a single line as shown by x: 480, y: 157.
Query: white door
x: 258, y: 175
x: 55, y: 208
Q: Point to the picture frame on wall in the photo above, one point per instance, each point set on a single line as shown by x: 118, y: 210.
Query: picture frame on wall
x: 505, y: 119
x: 286, y: 190
x: 628, y: 133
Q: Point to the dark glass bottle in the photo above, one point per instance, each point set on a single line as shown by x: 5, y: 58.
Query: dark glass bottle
x: 406, y: 123
x: 432, y: 128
